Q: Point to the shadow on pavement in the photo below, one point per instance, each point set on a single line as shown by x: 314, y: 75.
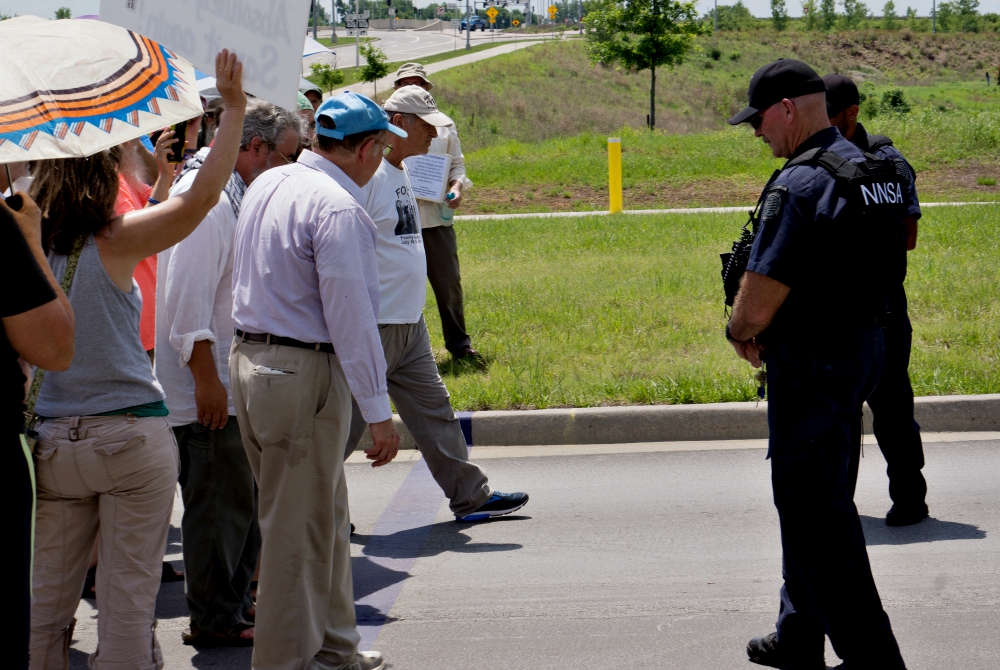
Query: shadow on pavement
x: 431, y: 540
x: 223, y: 657
x: 928, y: 530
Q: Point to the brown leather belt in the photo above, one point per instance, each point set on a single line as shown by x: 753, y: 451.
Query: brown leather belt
x: 267, y: 338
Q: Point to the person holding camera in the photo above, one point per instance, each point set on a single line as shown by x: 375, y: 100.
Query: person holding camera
x: 106, y: 458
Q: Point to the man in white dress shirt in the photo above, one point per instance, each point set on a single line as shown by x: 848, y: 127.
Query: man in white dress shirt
x: 194, y: 326
x: 305, y: 300
x: 413, y: 380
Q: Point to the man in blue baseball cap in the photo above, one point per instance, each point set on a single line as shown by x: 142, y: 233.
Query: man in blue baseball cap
x: 305, y: 301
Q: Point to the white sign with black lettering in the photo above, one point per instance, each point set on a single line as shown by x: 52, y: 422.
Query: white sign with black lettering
x: 267, y: 35
x: 429, y: 176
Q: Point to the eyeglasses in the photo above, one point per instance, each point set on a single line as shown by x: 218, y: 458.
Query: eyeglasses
x: 756, y: 121
x: 387, y: 148
x: 283, y: 156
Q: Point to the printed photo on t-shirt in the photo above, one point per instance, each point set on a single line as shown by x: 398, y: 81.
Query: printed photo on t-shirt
x: 407, y: 222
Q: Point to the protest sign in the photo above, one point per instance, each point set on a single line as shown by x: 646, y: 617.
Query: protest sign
x: 267, y: 35
x: 428, y: 176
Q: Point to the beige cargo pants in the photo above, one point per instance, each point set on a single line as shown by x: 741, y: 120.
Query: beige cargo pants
x: 118, y: 474
x: 294, y: 409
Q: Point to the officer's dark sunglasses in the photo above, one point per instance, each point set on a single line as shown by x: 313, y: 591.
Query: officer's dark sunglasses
x: 755, y: 121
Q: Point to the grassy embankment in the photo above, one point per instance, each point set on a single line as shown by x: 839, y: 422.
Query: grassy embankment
x: 628, y: 310
x: 534, y: 123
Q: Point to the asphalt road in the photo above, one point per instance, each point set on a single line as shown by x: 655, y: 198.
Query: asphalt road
x: 652, y: 556
x: 411, y: 45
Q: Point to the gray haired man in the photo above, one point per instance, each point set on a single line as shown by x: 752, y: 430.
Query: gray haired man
x: 194, y: 326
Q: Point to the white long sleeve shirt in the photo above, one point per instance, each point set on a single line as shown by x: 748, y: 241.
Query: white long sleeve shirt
x: 194, y: 302
x: 304, y: 267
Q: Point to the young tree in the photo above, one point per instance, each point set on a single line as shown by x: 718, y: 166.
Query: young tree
x: 809, y: 14
x: 376, y: 67
x: 735, y: 17
x: 779, y: 15
x: 911, y: 18
x: 854, y: 12
x: 889, y: 18
x: 64, y: 13
x: 967, y: 15
x: 828, y: 14
x: 329, y: 78
x: 643, y: 35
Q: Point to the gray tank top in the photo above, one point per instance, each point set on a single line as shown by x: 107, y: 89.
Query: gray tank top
x: 110, y: 370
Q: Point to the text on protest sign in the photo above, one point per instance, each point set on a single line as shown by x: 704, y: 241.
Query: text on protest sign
x: 429, y: 176
x: 267, y: 35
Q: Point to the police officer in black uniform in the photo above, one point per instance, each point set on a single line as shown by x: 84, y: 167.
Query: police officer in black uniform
x: 896, y: 430
x: 807, y: 309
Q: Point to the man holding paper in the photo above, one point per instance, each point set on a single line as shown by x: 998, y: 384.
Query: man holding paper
x: 437, y: 218
x: 411, y: 373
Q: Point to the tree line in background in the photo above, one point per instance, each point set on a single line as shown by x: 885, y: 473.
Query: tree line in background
x: 952, y: 16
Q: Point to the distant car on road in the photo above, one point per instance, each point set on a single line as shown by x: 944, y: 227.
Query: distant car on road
x: 476, y: 22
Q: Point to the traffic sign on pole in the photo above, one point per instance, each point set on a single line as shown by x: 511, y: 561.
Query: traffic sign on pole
x: 492, y: 13
x: 553, y: 10
x: 515, y: 23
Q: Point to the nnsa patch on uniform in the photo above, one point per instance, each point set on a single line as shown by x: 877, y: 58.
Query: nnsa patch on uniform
x: 771, y: 209
x: 882, y: 193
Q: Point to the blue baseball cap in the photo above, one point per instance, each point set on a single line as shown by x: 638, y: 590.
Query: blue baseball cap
x: 351, y: 114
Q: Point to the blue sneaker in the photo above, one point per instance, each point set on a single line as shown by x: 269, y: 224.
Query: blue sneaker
x: 497, y: 505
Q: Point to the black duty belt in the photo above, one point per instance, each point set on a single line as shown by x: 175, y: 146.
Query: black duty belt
x: 267, y: 338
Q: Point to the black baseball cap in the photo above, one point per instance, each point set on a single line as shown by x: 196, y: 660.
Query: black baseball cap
x: 775, y: 82
x: 841, y: 93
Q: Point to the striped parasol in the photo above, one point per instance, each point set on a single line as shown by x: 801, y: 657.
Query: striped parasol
x: 73, y: 88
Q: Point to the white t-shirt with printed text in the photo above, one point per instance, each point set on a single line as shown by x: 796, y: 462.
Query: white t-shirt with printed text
x: 402, y: 266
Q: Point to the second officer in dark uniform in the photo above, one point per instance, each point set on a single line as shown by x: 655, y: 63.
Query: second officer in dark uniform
x: 807, y: 308
x: 891, y: 402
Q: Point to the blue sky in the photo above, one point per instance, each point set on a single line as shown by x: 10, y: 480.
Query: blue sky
x: 47, y: 8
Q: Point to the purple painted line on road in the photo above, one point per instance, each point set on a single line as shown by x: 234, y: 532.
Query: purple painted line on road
x: 392, y: 549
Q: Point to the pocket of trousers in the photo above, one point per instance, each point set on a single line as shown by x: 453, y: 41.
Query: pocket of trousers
x: 118, y: 443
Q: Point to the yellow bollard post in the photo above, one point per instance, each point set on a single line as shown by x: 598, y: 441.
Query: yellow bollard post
x: 615, y: 173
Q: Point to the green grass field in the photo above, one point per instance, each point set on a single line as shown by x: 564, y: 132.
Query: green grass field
x: 628, y: 310
x: 534, y: 123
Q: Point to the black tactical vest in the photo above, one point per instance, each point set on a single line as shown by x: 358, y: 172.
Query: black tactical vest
x: 856, y: 259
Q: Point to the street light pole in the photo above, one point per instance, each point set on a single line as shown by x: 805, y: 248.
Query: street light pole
x: 716, y: 29
x: 579, y: 13
x: 333, y: 27
x: 934, y: 17
x: 468, y: 26
x: 357, y: 35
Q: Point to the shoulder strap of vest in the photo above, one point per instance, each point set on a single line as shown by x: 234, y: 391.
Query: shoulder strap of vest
x: 831, y: 162
x: 876, y: 142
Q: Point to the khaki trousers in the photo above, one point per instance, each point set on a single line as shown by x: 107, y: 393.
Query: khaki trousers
x: 294, y: 408
x: 424, y: 406
x: 117, y: 474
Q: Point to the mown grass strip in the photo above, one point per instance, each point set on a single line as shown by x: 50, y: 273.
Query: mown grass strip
x: 628, y: 310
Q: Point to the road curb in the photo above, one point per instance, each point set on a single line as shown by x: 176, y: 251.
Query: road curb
x: 673, y: 423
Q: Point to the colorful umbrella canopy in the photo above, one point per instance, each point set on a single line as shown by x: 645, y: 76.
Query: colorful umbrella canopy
x: 73, y: 88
